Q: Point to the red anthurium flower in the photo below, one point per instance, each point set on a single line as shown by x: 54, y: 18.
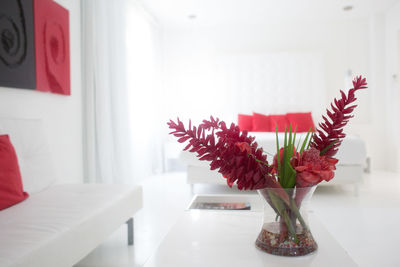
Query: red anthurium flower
x: 312, y: 168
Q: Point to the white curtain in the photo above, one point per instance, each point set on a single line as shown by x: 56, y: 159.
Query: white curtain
x: 120, y: 67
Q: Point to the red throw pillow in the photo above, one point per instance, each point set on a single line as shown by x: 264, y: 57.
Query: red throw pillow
x: 303, y: 121
x: 11, y: 191
x: 245, y: 122
x: 280, y: 122
x: 261, y: 123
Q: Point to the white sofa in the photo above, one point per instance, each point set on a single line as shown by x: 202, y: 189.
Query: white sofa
x: 352, y: 157
x: 58, y: 224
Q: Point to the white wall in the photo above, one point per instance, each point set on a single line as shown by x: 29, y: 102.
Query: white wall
x: 342, y: 45
x: 61, y: 115
x: 375, y: 130
x: 392, y: 86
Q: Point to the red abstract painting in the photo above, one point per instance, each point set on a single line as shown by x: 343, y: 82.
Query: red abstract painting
x: 52, y: 47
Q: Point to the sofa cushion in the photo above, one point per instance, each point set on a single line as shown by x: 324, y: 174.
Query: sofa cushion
x: 63, y: 223
x: 11, y: 190
x: 245, y: 122
x: 34, y: 157
x: 302, y: 121
x: 261, y: 122
x: 279, y: 122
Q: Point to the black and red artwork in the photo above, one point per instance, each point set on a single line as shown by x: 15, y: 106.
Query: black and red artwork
x: 34, y: 46
x: 17, y: 49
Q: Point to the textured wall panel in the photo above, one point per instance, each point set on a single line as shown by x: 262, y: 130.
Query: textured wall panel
x: 17, y: 59
x: 52, y: 47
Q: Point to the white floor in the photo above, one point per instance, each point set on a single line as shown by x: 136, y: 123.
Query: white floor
x: 365, y: 225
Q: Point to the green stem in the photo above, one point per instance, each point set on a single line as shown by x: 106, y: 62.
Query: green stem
x: 260, y: 161
x: 291, y: 228
x: 281, y: 208
x: 296, y: 211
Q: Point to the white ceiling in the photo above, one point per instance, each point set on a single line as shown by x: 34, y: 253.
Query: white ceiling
x: 214, y: 13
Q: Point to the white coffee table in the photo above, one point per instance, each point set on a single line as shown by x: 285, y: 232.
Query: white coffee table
x: 206, y: 238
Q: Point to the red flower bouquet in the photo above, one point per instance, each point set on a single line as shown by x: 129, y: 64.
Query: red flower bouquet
x: 285, y: 182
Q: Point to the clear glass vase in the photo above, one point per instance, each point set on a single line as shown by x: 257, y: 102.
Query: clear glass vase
x: 285, y: 229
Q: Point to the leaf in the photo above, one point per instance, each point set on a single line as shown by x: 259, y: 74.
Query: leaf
x: 303, y: 146
x: 287, y: 174
x: 309, y: 143
x: 285, y: 140
x: 290, y: 135
x: 328, y: 147
x: 292, y: 142
x: 291, y: 176
x: 283, y: 167
x: 287, y: 155
x: 294, y: 138
x: 278, y: 157
x: 298, y: 143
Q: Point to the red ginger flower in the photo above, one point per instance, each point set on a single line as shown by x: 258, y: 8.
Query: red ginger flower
x: 312, y: 168
x: 243, y: 146
x: 332, y: 130
x: 236, y: 155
